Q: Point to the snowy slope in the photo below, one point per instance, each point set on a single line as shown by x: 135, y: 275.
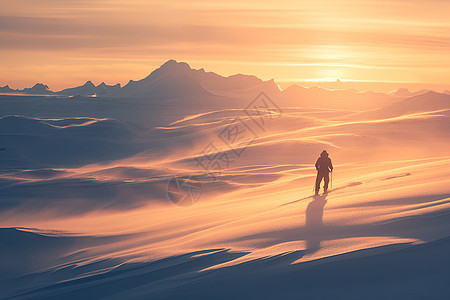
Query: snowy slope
x: 86, y: 213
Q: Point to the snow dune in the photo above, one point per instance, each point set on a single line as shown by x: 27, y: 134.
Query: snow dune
x: 85, y: 212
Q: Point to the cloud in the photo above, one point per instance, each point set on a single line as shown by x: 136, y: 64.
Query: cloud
x: 385, y: 33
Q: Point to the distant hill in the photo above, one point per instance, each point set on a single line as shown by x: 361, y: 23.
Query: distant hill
x: 178, y: 80
x: 425, y: 102
x: 171, y: 80
x: 404, y: 92
x: 89, y: 89
x: 430, y: 101
x: 37, y: 89
x: 7, y: 90
x: 317, y: 97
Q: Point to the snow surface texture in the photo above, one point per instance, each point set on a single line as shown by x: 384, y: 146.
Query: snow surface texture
x: 86, y: 214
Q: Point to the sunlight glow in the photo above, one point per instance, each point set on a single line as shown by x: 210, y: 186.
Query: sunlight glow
x: 64, y: 45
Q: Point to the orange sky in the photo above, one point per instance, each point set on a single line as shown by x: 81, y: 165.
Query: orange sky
x: 65, y: 43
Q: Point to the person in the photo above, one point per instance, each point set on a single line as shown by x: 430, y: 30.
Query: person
x: 323, y: 167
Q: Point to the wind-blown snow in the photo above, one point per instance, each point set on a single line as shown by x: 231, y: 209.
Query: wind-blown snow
x: 85, y: 211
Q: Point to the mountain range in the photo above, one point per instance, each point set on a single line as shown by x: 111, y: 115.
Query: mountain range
x: 177, y: 79
x: 172, y: 79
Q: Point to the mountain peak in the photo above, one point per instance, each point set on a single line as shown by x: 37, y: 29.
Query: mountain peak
x: 89, y: 83
x: 170, y: 61
x: 173, y: 65
x: 401, y: 92
x: 404, y: 92
x: 168, y: 68
x: 40, y: 86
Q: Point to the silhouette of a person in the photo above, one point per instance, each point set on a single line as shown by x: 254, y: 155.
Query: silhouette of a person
x: 323, y: 167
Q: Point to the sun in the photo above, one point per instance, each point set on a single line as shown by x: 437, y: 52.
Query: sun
x: 331, y: 75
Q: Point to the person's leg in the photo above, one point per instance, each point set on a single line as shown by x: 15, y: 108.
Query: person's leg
x: 326, y: 179
x: 318, y: 180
